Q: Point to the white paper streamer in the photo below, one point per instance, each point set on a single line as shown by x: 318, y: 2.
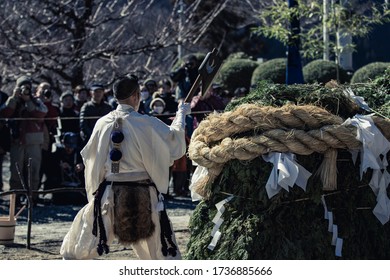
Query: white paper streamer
x: 217, y: 220
x: 339, y: 247
x: 357, y: 99
x: 200, y: 173
x: 382, y: 208
x: 374, y: 144
x: 336, y: 241
x: 334, y: 236
x: 330, y: 221
x: 215, y: 240
x: 285, y: 174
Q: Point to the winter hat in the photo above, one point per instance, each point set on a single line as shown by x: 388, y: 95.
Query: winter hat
x: 125, y: 87
x: 65, y: 94
x: 155, y: 100
x: 95, y: 86
x: 70, y: 139
x: 23, y: 80
x: 150, y: 82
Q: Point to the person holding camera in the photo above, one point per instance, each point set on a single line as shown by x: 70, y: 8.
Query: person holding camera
x: 5, y: 140
x: 46, y: 94
x: 185, y: 76
x: 26, y: 132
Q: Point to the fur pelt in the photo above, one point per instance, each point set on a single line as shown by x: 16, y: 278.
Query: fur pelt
x: 132, y: 213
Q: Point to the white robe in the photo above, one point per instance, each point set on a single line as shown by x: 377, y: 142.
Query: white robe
x: 148, y: 149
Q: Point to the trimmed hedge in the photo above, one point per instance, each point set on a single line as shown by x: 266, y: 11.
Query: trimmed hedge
x: 369, y: 72
x: 322, y: 71
x: 273, y: 70
x: 236, y: 73
x: 238, y: 55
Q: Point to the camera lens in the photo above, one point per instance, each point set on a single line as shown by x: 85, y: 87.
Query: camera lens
x: 47, y: 93
x: 25, y: 90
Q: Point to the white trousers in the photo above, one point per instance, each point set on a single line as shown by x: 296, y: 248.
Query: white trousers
x: 80, y: 243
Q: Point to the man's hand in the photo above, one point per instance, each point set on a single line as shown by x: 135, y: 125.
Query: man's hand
x: 79, y: 167
x: 19, y: 95
x: 17, y: 92
x: 25, y: 97
x: 185, y: 108
x: 65, y: 165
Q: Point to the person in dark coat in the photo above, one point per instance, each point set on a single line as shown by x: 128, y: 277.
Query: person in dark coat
x: 69, y: 116
x: 5, y: 139
x: 185, y: 76
x: 92, y: 111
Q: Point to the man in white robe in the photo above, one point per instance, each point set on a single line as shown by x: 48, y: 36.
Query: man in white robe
x: 148, y: 148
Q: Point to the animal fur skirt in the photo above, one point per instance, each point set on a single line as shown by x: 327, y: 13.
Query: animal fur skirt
x: 132, y: 213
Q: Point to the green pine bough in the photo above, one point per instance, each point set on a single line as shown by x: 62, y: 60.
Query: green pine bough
x: 291, y: 225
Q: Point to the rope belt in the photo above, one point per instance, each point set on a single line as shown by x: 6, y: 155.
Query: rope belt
x: 168, y: 246
x: 98, y: 219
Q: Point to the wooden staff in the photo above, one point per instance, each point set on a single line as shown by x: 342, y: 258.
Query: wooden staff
x: 30, y: 204
x: 193, y: 89
x: 28, y: 192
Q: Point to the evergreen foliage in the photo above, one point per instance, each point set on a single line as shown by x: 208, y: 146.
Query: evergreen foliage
x: 376, y: 93
x: 273, y: 70
x: 235, y: 73
x: 291, y: 225
x: 237, y: 55
x: 369, y: 72
x: 321, y: 71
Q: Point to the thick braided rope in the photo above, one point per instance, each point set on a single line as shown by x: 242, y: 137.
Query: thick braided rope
x: 312, y: 137
x: 275, y: 140
x: 249, y: 117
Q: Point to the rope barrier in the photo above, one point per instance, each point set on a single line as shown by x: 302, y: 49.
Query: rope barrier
x: 96, y: 117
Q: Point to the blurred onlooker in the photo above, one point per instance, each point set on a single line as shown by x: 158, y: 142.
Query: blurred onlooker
x: 150, y: 86
x: 45, y: 93
x: 167, y: 95
x: 26, y: 134
x: 92, y: 111
x: 157, y: 108
x: 185, y: 76
x: 5, y: 139
x: 180, y: 176
x: 69, y: 116
x: 109, y: 96
x: 68, y: 170
x: 81, y: 96
x: 225, y: 95
x: 209, y: 102
x: 144, y: 94
x: 240, y: 92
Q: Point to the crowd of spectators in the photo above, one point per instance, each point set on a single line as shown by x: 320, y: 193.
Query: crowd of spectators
x: 51, y: 128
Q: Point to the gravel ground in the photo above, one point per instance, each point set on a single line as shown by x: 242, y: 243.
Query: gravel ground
x: 52, y: 222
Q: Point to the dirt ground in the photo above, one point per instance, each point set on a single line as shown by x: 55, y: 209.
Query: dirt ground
x: 51, y: 223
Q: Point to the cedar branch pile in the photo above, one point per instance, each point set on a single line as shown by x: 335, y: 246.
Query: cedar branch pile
x: 307, y: 121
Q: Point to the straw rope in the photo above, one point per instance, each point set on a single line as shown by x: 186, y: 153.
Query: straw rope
x: 254, y: 117
x: 300, y: 130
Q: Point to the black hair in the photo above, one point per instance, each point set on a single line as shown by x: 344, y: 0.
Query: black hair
x: 125, y: 87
